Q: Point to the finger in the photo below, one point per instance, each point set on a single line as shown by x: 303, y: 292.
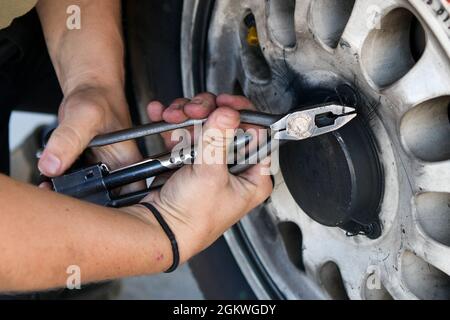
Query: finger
x: 259, y: 135
x: 235, y: 102
x: 155, y: 110
x: 200, y: 106
x: 179, y: 136
x: 45, y: 186
x: 259, y: 176
x: 258, y: 172
x: 161, y: 179
x: 175, y: 112
x: 117, y: 156
x: 66, y: 144
x: 217, y: 137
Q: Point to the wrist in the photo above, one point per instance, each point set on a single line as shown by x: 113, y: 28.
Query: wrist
x: 164, y: 256
x: 186, y: 237
x: 93, y: 81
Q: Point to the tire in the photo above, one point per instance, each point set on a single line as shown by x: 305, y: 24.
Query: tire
x: 153, y: 35
x: 385, y: 244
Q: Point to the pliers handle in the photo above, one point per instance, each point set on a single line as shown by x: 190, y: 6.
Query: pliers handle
x: 293, y: 126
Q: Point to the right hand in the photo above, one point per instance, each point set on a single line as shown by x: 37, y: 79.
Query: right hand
x: 201, y: 201
x: 199, y: 107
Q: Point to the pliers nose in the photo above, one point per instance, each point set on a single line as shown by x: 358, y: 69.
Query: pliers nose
x: 313, y: 122
x: 302, y: 124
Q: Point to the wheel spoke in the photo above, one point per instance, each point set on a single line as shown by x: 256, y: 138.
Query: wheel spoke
x: 301, y: 19
x: 365, y: 17
x: 431, y: 219
x: 433, y: 177
x: 433, y: 252
x: 327, y: 20
x: 280, y: 22
x: 269, y: 49
x: 279, y: 258
x: 351, y: 281
x: 430, y: 78
x: 398, y: 290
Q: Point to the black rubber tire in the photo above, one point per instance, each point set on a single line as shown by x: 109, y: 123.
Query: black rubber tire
x: 153, y: 31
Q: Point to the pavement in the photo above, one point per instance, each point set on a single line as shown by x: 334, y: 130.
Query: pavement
x: 174, y: 286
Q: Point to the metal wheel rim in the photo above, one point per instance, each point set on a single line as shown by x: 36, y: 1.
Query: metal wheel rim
x: 411, y: 259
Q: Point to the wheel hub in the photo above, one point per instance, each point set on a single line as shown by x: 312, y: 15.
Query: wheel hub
x: 337, y: 179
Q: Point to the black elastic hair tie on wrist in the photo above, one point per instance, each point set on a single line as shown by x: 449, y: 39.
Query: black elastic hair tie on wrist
x: 169, y: 233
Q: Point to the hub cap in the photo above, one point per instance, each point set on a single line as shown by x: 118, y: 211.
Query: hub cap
x: 337, y: 179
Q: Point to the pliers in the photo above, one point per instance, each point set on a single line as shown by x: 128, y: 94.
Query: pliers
x: 95, y: 183
x: 299, y: 125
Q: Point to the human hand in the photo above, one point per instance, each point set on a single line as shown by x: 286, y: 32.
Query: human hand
x: 181, y: 110
x: 199, y: 107
x: 201, y: 201
x: 85, y: 113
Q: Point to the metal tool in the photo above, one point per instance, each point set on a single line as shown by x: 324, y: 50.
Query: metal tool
x: 299, y: 125
x: 94, y: 184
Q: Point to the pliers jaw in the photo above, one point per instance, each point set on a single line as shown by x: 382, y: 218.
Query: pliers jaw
x: 310, y: 123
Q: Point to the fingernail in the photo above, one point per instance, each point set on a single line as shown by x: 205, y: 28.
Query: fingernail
x: 197, y: 101
x: 226, y: 120
x: 175, y: 106
x: 49, y: 164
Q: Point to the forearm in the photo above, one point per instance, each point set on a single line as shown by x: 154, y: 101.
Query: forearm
x: 92, y: 55
x: 43, y: 233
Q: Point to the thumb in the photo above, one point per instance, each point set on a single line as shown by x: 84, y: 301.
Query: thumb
x: 65, y: 145
x: 217, y: 136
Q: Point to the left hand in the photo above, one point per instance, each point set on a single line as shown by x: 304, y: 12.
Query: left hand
x: 85, y: 113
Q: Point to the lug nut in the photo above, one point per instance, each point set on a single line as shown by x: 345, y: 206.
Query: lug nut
x: 252, y: 33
